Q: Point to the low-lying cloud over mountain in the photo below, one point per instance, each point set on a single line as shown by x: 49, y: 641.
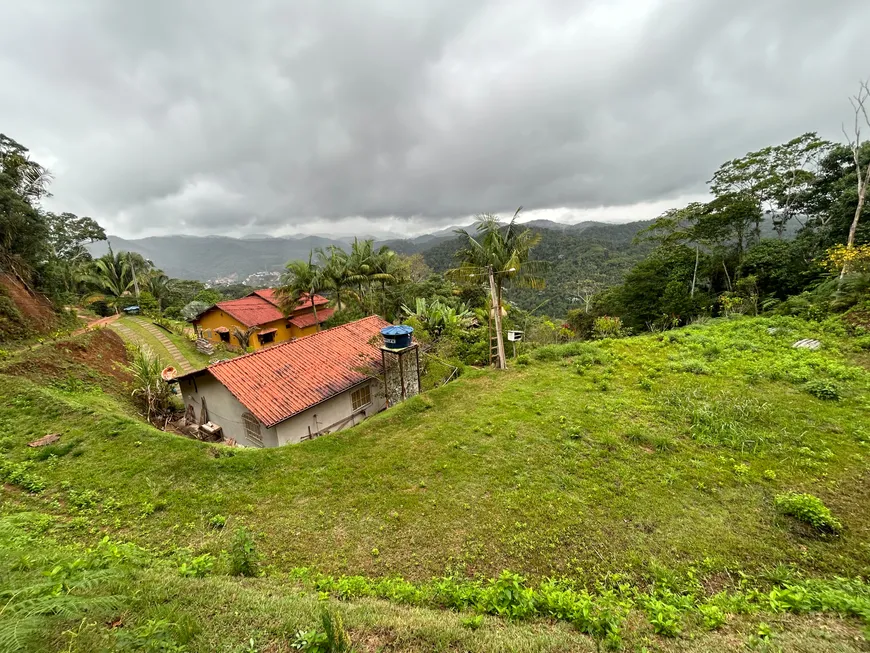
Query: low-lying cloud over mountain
x: 276, y: 117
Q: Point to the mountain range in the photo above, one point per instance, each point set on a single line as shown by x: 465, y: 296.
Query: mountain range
x: 207, y: 258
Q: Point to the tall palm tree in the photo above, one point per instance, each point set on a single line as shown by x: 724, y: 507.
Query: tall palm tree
x: 361, y: 265
x: 300, y: 279
x: 335, y: 265
x: 504, y: 248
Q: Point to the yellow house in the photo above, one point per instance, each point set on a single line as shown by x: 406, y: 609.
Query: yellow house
x: 260, y: 311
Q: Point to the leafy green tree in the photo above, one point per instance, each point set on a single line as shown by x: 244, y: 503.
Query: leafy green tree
x: 68, y: 234
x: 208, y: 296
x: 23, y: 232
x: 28, y: 179
x: 777, y: 176
x: 659, y: 289
x: 438, y: 317
x: 776, y: 267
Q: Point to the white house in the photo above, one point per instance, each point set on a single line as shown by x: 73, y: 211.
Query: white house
x: 293, y: 391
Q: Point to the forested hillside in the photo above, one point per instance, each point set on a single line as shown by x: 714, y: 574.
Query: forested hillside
x: 581, y: 261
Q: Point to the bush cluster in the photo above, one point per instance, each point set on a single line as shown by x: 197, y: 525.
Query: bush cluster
x: 18, y: 474
x: 824, y: 390
x: 808, y: 509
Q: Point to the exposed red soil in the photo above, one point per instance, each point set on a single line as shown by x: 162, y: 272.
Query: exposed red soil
x: 96, y: 357
x: 36, y: 308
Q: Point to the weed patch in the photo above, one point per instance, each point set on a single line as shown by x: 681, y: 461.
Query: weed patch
x: 808, y: 509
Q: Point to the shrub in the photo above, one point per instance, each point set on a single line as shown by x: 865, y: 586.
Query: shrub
x: 523, y: 359
x: 331, y: 637
x: 664, y: 617
x: 18, y: 474
x: 217, y: 522
x: 712, y: 616
x: 808, y: 509
x: 156, y: 636
x: 244, y: 559
x: 508, y: 596
x: 473, y: 623
x: 824, y: 390
x: 198, y: 567
x: 608, y: 327
x: 153, y: 393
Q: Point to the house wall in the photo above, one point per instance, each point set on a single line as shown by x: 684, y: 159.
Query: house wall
x: 215, y: 318
x: 296, y: 332
x: 223, y: 409
x: 332, y: 415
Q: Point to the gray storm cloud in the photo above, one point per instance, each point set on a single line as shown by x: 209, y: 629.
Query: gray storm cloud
x: 211, y: 117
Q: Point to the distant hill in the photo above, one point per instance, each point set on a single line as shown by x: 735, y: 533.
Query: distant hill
x: 211, y: 257
x: 596, y: 251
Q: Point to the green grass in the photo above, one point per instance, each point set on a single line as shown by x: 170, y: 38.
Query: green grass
x: 143, y: 337
x: 601, y: 462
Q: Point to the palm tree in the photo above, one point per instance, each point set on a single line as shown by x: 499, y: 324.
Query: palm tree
x: 244, y: 336
x: 505, y: 249
x: 361, y: 265
x: 112, y: 276
x: 300, y: 279
x: 334, y: 264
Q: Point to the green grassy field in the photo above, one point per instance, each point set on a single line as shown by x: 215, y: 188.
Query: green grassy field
x: 607, y: 464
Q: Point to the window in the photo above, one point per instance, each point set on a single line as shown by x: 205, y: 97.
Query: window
x: 361, y: 397
x: 252, y: 429
x: 266, y: 338
x: 224, y: 335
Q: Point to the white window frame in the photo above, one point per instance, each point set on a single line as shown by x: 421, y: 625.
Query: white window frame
x: 250, y: 422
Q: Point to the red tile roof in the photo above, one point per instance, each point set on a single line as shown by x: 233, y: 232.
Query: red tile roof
x: 281, y: 381
x: 251, y: 310
x: 261, y: 307
x: 307, y: 319
x: 271, y: 296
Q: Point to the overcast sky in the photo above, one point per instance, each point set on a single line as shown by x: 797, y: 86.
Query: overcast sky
x: 228, y: 117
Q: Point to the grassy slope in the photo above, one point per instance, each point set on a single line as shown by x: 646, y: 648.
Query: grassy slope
x: 548, y: 474
x: 614, y: 459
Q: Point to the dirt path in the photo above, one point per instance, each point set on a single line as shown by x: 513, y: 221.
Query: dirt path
x: 102, y: 322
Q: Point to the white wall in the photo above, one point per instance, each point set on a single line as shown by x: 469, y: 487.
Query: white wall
x: 223, y: 409
x: 329, y: 416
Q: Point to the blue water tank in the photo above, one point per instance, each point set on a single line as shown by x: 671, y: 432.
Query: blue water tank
x: 397, y: 337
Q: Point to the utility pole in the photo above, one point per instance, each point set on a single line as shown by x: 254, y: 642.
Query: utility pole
x: 496, y: 308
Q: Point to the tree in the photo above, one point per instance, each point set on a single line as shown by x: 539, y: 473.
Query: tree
x: 27, y: 178
x: 660, y: 287
x: 360, y: 265
x: 335, y: 266
x: 301, y: 279
x: 68, y: 234
x: 113, y: 276
x: 859, y: 102
x: 243, y: 336
x: 777, y: 176
x: 505, y: 249
x: 23, y: 232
